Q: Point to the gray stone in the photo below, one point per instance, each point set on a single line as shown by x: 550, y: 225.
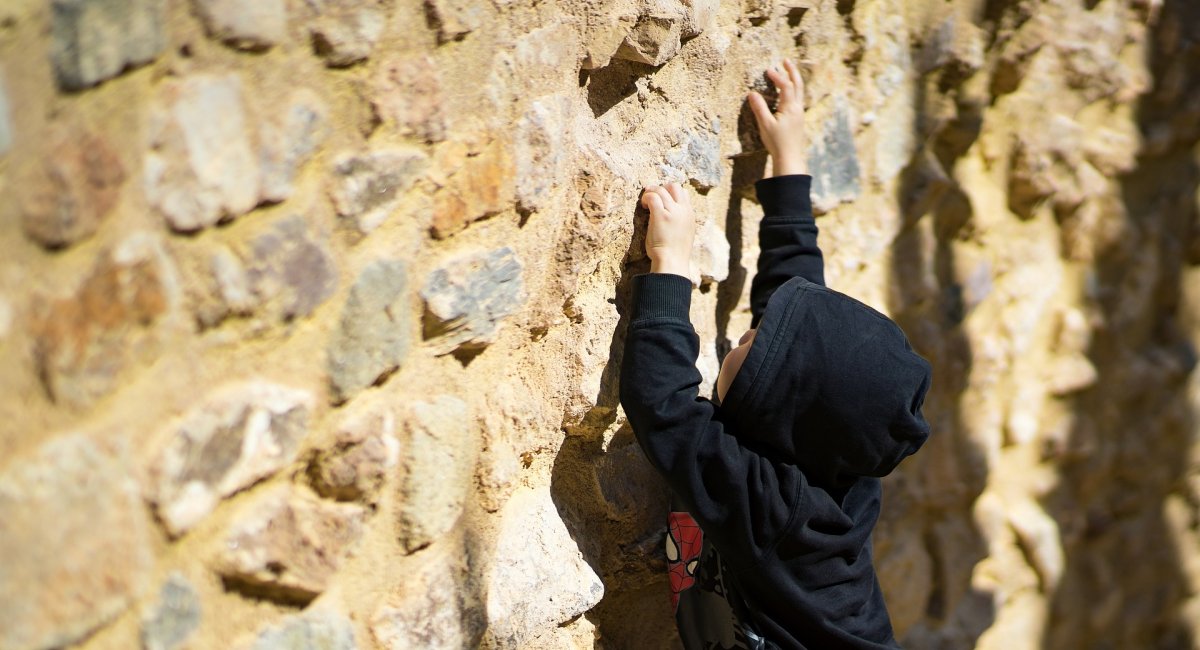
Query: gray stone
x: 291, y: 270
x: 540, y: 154
x: 120, y: 314
x: 432, y: 615
x: 97, y: 39
x: 345, y: 32
x: 312, y: 630
x: 467, y: 298
x: 374, y: 334
x: 435, y: 472
x: 697, y: 159
x: 287, y: 545
x: 544, y: 576
x: 248, y: 25
x: 75, y: 188
x: 366, y: 188
x: 201, y: 167
x: 653, y: 41
x: 833, y: 161
x: 74, y: 541
x: 6, y: 130
x: 174, y: 618
x: 356, y: 465
x: 288, y: 140
x: 238, y: 435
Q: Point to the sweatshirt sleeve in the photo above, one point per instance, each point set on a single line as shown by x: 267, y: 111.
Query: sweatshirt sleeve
x: 742, y: 500
x: 787, y: 239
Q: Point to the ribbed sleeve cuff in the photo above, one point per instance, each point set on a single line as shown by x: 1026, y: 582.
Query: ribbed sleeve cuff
x: 657, y: 295
x: 785, y: 196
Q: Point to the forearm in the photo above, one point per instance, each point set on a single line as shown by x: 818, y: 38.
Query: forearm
x: 787, y: 238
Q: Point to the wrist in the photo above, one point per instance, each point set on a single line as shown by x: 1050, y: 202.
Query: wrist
x: 788, y: 165
x: 677, y: 267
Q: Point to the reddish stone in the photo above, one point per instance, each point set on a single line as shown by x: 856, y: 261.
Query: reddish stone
x: 73, y: 191
x: 482, y: 187
x: 408, y: 91
x: 84, y: 341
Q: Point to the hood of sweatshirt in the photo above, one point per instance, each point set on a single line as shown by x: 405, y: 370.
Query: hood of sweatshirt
x: 830, y: 384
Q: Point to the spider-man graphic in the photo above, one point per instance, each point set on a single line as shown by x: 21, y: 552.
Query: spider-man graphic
x: 684, y: 543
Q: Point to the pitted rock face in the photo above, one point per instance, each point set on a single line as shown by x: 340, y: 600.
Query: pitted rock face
x: 376, y: 257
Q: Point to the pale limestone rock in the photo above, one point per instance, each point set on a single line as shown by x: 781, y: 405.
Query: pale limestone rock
x: 433, y: 614
x: 74, y: 541
x: 287, y: 545
x: 696, y: 159
x: 288, y: 139
x: 546, y: 580
x: 654, y: 40
x: 97, y: 39
x: 604, y: 37
x: 467, y: 298
x: 373, y: 336
x: 407, y: 91
x: 345, y: 32
x: 174, y: 618
x: 238, y: 435
x: 254, y: 25
x: 366, y: 188
x: 201, y: 166
x: 454, y: 19
x: 710, y: 253
x: 541, y: 156
x: 440, y: 448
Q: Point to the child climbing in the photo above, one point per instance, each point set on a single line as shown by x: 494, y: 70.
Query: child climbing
x: 777, y: 479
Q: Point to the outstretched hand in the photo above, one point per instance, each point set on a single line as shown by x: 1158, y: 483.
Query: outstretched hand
x: 783, y: 131
x: 672, y: 229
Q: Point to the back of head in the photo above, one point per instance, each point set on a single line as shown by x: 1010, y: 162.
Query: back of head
x: 831, y: 385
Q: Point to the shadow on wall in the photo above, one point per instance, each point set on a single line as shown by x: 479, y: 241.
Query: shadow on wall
x: 1128, y: 450
x: 927, y: 543
x: 613, y: 502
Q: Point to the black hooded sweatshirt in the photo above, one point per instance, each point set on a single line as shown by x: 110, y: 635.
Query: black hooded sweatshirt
x: 783, y: 477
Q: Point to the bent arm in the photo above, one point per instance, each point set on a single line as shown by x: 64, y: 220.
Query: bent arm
x: 741, y: 499
x: 787, y: 239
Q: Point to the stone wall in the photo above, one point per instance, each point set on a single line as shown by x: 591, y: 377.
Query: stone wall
x: 311, y: 311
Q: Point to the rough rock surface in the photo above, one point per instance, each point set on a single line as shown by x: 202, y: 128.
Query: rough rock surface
x: 120, y: 314
x: 233, y: 438
x: 435, y: 471
x: 74, y: 191
x: 468, y: 297
x: 287, y: 545
x: 373, y: 336
x: 379, y: 254
x: 312, y: 630
x: 201, y: 167
x: 248, y: 25
x: 549, y: 579
x: 175, y: 616
x: 94, y: 40
x: 61, y: 578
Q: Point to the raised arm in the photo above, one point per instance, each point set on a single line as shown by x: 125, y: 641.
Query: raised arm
x: 787, y: 235
x: 787, y: 239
